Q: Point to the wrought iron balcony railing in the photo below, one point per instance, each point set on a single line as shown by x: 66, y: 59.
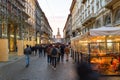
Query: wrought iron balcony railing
x: 89, y: 18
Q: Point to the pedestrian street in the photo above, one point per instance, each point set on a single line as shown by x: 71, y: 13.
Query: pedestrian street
x: 38, y: 70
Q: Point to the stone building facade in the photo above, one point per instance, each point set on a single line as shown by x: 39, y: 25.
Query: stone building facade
x: 46, y: 30
x: 67, y: 31
x: 20, y: 24
x: 30, y: 28
x: 38, y: 14
x: 89, y: 14
x: 12, y: 20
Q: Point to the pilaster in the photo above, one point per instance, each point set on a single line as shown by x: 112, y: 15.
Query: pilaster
x: 4, y: 50
x: 20, y: 47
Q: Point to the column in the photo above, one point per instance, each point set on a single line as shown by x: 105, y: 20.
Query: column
x: 4, y: 50
x: 0, y: 29
x: 20, y: 42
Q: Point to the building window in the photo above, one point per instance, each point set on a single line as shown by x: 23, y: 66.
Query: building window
x: 98, y: 24
x: 98, y: 5
x: 92, y: 9
x: 107, y: 20
x: 101, y: 3
x: 117, y: 16
x: 73, y: 34
x: 85, y: 13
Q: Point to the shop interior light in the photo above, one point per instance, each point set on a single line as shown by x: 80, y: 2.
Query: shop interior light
x: 11, y: 35
x: 18, y: 36
x: 5, y: 35
x: 109, y: 42
x: 99, y: 40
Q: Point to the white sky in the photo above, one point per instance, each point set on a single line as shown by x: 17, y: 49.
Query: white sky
x: 57, y: 12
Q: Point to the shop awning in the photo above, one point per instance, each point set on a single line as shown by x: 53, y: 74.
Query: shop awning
x: 104, y: 31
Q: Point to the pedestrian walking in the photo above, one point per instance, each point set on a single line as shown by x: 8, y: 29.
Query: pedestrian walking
x: 43, y: 50
x: 48, y: 51
x: 16, y: 49
x: 62, y: 47
x: 58, y: 50
x: 27, y: 52
x: 54, y: 57
x: 36, y: 49
x: 40, y: 50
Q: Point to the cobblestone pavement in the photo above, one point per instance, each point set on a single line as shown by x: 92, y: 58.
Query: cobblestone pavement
x: 40, y: 70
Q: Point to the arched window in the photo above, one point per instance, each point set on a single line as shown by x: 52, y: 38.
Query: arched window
x: 98, y: 24
x: 107, y: 20
x: 117, y: 16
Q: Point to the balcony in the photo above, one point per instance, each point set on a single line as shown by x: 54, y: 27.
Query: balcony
x: 43, y: 29
x: 28, y: 23
x: 88, y: 19
x: 21, y: 2
x: 110, y: 3
x: 25, y: 15
x: 83, y: 1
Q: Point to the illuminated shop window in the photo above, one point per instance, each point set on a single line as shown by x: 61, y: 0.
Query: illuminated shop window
x: 105, y: 63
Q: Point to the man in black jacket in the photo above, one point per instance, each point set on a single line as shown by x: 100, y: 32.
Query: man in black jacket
x: 27, y: 52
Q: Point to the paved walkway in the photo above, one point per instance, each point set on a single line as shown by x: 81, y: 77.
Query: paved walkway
x: 12, y: 58
x: 40, y: 70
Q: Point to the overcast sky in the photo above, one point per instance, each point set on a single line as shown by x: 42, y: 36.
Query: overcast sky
x: 57, y: 12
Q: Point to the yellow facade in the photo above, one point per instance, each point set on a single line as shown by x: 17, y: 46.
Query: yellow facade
x: 20, y: 47
x: 4, y: 50
x: 29, y: 36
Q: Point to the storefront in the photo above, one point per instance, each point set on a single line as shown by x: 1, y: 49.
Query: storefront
x: 101, y: 47
x: 105, y: 57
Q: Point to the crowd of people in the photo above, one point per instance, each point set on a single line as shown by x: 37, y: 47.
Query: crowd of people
x: 54, y: 52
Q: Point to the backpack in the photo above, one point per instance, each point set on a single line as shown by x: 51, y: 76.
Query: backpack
x: 54, y: 52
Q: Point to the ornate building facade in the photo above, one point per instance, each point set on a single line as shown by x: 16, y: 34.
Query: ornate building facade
x: 38, y: 14
x: 88, y: 15
x: 46, y: 30
x: 58, y: 36
x: 68, y: 30
x: 20, y: 24
x: 12, y: 19
x: 29, y: 31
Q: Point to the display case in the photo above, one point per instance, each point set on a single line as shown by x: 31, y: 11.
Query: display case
x: 105, y: 57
